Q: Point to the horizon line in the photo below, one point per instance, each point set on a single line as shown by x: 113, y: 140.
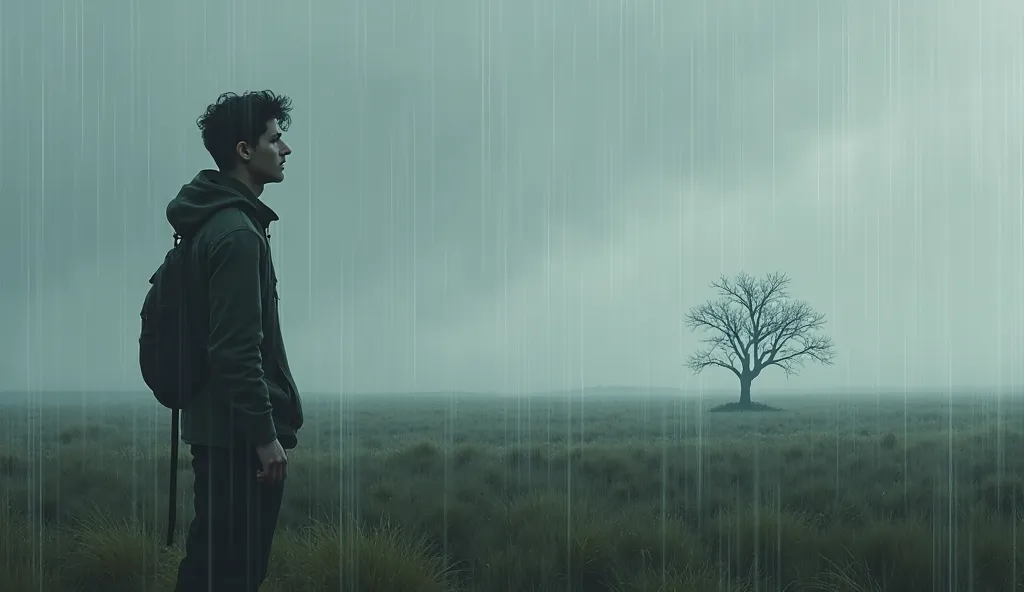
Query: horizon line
x: 691, y: 391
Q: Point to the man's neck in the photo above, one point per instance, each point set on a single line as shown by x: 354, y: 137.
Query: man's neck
x: 246, y: 179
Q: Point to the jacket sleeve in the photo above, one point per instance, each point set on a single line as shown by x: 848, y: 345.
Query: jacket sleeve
x: 236, y: 332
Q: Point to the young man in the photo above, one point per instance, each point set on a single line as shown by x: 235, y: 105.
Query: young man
x: 248, y: 414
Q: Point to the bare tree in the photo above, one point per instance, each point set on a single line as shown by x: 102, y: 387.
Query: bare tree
x: 754, y: 324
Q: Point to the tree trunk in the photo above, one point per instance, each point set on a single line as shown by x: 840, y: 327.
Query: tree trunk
x: 745, y: 390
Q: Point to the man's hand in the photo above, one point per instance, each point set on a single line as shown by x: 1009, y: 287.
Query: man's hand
x: 275, y: 463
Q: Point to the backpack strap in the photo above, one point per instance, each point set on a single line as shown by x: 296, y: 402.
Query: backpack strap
x: 172, y: 494
x: 172, y: 488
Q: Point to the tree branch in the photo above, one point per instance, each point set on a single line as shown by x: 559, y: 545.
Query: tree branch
x: 754, y: 324
x: 726, y: 324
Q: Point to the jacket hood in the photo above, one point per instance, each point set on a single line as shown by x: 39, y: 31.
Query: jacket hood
x: 208, y: 193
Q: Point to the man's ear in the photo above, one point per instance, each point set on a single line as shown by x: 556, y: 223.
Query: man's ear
x: 242, y: 149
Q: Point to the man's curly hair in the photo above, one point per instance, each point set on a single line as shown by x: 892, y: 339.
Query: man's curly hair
x: 237, y: 118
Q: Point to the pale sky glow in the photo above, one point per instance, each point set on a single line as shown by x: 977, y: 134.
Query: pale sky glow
x: 530, y: 195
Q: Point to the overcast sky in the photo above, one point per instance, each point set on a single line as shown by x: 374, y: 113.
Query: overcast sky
x: 524, y: 195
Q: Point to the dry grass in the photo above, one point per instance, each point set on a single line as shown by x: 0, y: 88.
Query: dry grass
x: 543, y: 493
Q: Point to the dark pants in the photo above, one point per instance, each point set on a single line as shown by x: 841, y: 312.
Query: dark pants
x: 228, y: 542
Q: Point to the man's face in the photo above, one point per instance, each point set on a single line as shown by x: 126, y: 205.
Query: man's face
x: 266, y: 158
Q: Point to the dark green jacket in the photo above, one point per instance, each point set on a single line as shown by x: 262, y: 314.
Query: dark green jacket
x: 250, y: 397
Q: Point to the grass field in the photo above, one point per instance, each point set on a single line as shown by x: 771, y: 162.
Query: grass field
x: 549, y: 493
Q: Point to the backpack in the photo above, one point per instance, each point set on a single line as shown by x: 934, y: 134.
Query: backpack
x: 172, y: 356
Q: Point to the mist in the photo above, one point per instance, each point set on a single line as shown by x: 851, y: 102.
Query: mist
x: 527, y: 196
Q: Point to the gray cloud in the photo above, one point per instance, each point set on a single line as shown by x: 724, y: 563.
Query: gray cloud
x: 530, y: 195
